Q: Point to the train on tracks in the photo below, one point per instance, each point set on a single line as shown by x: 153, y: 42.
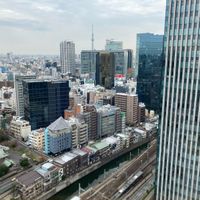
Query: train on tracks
x: 130, y: 182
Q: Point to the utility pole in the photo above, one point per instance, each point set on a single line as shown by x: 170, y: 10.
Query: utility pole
x: 80, y: 189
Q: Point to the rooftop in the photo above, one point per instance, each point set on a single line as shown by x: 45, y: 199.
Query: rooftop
x: 48, y: 166
x: 110, y: 140
x: 58, y: 125
x: 29, y: 178
x: 44, y: 80
x: 65, y: 158
x: 38, y: 131
x: 139, y: 131
x: 100, y: 145
x: 3, y: 154
x: 79, y: 152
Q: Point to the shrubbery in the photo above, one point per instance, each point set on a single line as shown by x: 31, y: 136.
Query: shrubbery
x: 24, y: 162
x: 3, y: 170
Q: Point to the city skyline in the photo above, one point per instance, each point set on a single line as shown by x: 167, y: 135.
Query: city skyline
x: 24, y: 23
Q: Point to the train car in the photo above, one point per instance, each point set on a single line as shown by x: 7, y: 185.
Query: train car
x: 131, y: 181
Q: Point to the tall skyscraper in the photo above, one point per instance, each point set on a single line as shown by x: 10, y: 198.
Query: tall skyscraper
x: 121, y: 62
x: 113, y: 45
x: 147, y: 44
x: 149, y: 56
x: 19, y: 92
x: 45, y: 101
x: 88, y: 61
x: 178, y: 173
x: 105, y: 69
x: 67, y: 57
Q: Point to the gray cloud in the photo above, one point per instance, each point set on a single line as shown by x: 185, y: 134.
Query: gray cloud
x: 44, y: 23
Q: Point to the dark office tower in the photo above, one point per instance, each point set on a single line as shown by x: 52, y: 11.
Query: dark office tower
x: 105, y: 69
x: 130, y: 58
x: 44, y: 101
x: 90, y: 116
x: 149, y: 63
x: 178, y: 176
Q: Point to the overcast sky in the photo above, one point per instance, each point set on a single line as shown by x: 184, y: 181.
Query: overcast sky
x: 38, y: 26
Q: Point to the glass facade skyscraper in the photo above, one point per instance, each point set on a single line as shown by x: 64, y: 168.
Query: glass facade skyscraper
x: 149, y: 56
x: 44, y: 101
x: 178, y: 171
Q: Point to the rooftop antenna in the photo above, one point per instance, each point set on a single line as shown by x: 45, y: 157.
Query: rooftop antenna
x: 92, y: 38
x: 92, y: 56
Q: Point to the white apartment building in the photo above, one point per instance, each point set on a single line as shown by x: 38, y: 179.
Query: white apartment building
x: 67, y: 57
x: 36, y: 139
x: 20, y: 128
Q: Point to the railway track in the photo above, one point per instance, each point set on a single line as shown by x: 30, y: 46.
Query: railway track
x: 109, y: 187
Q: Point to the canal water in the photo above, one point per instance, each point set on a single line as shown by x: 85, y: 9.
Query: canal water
x: 96, y: 176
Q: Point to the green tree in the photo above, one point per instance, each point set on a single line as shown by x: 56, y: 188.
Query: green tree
x: 3, y: 137
x: 24, y: 162
x: 3, y: 170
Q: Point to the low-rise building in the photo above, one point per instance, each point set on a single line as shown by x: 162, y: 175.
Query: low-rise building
x: 51, y: 175
x: 92, y: 154
x: 141, y: 131
x: 124, y: 140
x: 83, y: 157
x: 29, y: 185
x: 69, y: 162
x: 113, y: 142
x: 20, y: 128
x: 102, y: 148
x: 36, y: 139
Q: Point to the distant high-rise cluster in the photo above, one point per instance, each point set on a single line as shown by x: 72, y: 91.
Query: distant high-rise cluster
x: 122, y: 59
x: 179, y: 139
x: 67, y: 57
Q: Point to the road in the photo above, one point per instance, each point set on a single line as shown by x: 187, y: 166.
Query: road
x: 7, y: 184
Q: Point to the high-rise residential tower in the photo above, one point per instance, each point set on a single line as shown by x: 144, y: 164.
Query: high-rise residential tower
x: 149, y: 57
x: 19, y: 92
x: 67, y: 57
x: 178, y: 170
x: 128, y: 103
